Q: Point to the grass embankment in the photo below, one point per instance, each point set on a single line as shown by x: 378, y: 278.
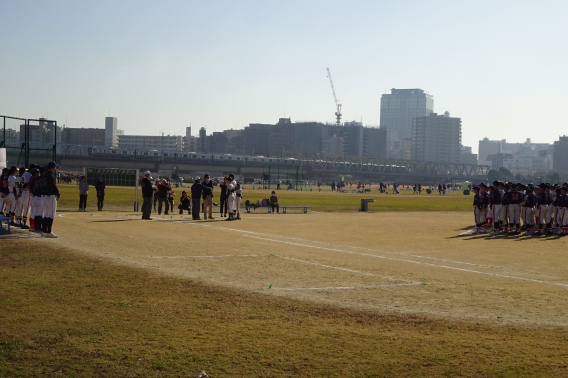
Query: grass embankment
x: 65, y: 314
x: 121, y: 198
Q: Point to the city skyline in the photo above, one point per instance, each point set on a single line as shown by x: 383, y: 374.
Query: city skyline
x: 221, y: 66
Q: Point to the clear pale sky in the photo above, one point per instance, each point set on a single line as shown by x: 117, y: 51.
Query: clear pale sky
x: 162, y: 65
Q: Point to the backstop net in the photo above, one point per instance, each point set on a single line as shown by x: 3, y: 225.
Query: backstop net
x: 114, y: 177
x: 29, y: 140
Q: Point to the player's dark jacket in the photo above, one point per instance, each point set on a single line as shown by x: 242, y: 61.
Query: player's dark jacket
x: 50, y: 188
x: 531, y: 201
x: 478, y: 200
x: 514, y: 197
x: 147, y: 190
x: 557, y: 200
x: 496, y: 197
x: 544, y: 199
x: 39, y: 185
x: 505, y: 199
x: 564, y: 200
x: 4, y: 185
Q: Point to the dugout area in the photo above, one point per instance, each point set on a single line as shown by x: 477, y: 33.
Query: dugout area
x: 408, y: 263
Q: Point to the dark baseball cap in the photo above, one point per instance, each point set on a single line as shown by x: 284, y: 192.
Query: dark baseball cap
x: 52, y: 164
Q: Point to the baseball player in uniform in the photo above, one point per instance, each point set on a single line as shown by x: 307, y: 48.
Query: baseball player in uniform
x: 478, y: 213
x: 3, y: 191
x: 33, y: 199
x: 563, y: 203
x: 23, y: 202
x: 239, y: 194
x: 542, y: 215
x: 557, y: 211
x: 10, y: 200
x: 496, y: 204
x: 49, y: 200
x: 530, y: 202
x: 516, y: 197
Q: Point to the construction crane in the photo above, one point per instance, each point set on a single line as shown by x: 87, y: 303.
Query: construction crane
x: 337, y: 104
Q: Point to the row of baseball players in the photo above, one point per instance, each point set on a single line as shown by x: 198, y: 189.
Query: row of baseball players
x: 30, y: 196
x: 512, y: 208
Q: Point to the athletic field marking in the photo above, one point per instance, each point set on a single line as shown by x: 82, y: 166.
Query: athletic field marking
x: 413, y: 262
x: 199, y: 257
x: 62, y: 215
x: 467, y: 232
x: 369, y: 249
x: 345, y: 269
x: 341, y: 287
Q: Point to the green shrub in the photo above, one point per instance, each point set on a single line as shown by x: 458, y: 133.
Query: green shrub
x: 428, y: 191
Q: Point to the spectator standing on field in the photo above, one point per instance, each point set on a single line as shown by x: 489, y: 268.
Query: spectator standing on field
x: 207, y: 197
x: 100, y: 189
x: 171, y: 196
x: 223, y: 197
x: 163, y: 189
x: 147, y: 194
x: 196, y: 192
x: 155, y: 187
x: 83, y: 192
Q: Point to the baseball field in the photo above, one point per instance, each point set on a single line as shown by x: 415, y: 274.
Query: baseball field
x: 403, y: 290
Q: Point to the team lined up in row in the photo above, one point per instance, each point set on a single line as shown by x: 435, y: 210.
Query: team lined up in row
x: 540, y: 209
x: 30, y: 195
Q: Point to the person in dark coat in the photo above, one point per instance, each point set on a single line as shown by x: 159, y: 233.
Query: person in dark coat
x: 223, y: 197
x: 100, y: 189
x: 147, y: 194
x: 196, y: 192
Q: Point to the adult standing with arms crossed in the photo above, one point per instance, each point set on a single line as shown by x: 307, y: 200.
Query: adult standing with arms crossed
x: 50, y: 197
x: 196, y: 191
x: 147, y: 195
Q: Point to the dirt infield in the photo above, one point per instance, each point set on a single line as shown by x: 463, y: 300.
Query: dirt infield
x: 414, y: 263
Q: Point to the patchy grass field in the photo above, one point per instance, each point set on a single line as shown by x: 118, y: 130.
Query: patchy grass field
x: 72, y: 315
x: 122, y: 198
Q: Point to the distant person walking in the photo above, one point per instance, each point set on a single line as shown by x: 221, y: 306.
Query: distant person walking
x: 147, y: 194
x: 83, y: 192
x: 196, y: 192
x: 100, y: 189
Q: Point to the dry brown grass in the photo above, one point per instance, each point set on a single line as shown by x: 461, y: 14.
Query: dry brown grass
x: 68, y: 314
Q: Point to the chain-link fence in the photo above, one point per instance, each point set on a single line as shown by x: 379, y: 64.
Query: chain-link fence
x: 29, y: 140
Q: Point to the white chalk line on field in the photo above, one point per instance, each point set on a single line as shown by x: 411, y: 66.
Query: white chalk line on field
x: 467, y: 232
x: 347, y: 270
x: 371, y: 250
x: 411, y: 261
x: 341, y: 287
x: 198, y: 257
